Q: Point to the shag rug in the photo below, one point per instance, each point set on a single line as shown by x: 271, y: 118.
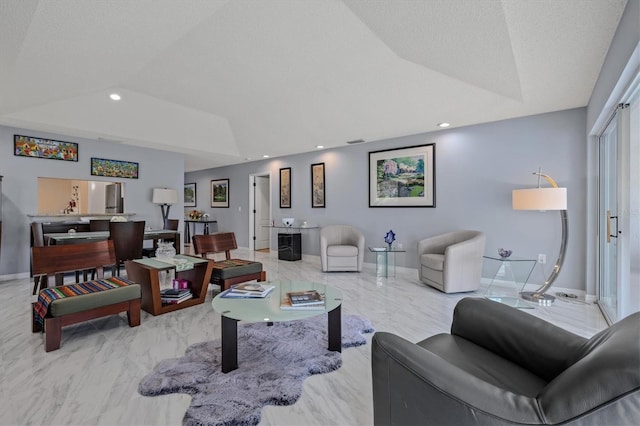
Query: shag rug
x: 272, y: 364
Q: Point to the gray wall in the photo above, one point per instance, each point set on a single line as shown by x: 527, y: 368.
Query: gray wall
x: 157, y: 169
x: 476, y: 169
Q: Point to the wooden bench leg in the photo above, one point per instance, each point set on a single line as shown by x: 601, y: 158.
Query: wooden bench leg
x: 263, y: 276
x: 133, y: 313
x: 52, y: 334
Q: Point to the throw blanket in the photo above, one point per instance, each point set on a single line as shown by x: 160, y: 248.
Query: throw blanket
x: 48, y: 295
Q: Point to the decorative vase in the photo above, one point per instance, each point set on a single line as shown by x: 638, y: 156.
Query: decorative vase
x: 165, y: 250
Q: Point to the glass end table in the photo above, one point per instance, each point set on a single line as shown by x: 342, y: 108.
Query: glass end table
x: 508, y: 277
x: 384, y: 255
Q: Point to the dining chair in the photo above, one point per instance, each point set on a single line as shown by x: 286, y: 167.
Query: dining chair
x: 37, y: 233
x: 99, y: 225
x: 127, y: 241
x: 169, y: 225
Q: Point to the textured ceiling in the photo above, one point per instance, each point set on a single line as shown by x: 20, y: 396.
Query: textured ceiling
x: 227, y: 81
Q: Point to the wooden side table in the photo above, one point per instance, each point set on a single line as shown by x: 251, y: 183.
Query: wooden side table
x: 146, y: 272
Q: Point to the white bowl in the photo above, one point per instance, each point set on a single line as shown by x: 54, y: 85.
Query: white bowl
x: 288, y: 221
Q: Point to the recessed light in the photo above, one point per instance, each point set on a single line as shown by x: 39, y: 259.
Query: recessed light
x: 265, y: 156
x: 444, y: 125
x: 319, y: 146
x: 115, y: 96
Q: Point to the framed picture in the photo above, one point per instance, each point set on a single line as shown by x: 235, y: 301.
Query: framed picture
x: 27, y: 146
x: 285, y: 188
x: 114, y: 168
x: 219, y: 193
x: 403, y: 177
x: 189, y: 194
x: 317, y: 185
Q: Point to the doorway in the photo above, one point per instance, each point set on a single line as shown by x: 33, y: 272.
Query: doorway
x: 260, y: 211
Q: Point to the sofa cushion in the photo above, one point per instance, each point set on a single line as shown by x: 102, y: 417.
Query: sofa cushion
x: 84, y: 302
x: 433, y: 261
x: 231, y: 268
x: 342, y: 251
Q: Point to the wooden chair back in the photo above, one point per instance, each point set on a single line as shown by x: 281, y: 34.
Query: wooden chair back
x: 99, y: 225
x: 215, y: 243
x: 56, y: 260
x: 37, y: 233
x: 127, y: 239
x: 171, y: 224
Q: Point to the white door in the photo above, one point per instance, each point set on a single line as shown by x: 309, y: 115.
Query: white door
x: 262, y: 209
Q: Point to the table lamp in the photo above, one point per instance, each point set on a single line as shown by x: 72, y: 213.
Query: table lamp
x: 165, y: 197
x: 543, y: 199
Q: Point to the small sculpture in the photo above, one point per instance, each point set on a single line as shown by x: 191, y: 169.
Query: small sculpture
x: 504, y: 253
x: 390, y: 238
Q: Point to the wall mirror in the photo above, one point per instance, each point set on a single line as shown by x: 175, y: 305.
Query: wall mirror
x: 75, y: 196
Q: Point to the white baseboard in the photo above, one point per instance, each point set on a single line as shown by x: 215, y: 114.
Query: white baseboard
x: 11, y: 277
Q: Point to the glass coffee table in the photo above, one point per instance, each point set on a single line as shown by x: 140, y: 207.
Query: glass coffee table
x: 268, y: 310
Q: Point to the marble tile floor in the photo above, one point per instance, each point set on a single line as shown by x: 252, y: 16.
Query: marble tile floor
x: 92, y: 379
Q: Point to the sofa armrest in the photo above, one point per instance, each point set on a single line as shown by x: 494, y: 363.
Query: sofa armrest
x: 414, y: 386
x: 532, y: 343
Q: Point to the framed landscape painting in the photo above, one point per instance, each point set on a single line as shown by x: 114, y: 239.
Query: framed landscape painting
x: 189, y: 194
x: 114, y: 168
x: 220, y: 193
x: 27, y: 146
x: 317, y: 185
x: 403, y: 177
x: 285, y: 188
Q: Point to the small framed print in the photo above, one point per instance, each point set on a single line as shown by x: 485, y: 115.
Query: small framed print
x: 285, y: 188
x: 189, y: 194
x: 317, y: 185
x: 220, y: 193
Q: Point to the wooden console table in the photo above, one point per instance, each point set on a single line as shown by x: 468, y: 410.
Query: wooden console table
x: 146, y: 272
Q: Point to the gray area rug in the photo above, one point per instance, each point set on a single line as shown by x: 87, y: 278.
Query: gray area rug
x: 273, y: 363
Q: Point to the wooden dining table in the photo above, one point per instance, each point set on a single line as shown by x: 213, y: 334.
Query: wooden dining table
x: 88, y: 237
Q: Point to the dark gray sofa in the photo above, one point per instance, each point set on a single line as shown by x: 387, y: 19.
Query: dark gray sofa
x: 502, y: 366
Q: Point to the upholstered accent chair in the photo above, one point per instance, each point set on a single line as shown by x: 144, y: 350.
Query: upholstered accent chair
x: 341, y: 248
x: 452, y: 262
x: 503, y: 366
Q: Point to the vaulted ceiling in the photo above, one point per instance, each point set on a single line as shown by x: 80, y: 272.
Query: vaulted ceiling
x: 226, y: 81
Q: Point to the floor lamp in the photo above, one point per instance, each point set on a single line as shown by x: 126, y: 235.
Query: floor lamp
x: 165, y: 197
x: 554, y: 198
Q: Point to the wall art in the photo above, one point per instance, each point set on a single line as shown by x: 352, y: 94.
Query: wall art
x: 27, y: 146
x: 189, y: 194
x: 317, y: 185
x: 114, y: 168
x: 285, y: 188
x: 220, y: 193
x: 403, y: 177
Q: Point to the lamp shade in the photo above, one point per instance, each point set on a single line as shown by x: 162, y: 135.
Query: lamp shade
x: 164, y: 196
x: 539, y: 199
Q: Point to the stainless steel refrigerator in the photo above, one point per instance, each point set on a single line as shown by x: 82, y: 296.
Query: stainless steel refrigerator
x: 113, y: 201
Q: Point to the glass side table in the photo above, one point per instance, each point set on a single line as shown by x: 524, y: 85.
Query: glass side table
x: 383, y: 256
x: 508, y: 278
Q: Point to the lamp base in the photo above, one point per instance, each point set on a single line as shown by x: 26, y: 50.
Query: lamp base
x: 540, y: 298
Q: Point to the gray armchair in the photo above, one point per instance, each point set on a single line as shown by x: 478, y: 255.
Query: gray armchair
x: 502, y: 366
x: 452, y: 262
x: 341, y: 248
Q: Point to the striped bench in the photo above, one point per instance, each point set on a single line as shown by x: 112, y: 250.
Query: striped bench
x: 70, y: 304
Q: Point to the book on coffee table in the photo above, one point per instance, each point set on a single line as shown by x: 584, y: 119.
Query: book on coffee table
x: 309, y: 299
x: 248, y: 290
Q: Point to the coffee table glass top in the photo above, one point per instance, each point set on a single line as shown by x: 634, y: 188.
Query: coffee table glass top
x: 268, y: 309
